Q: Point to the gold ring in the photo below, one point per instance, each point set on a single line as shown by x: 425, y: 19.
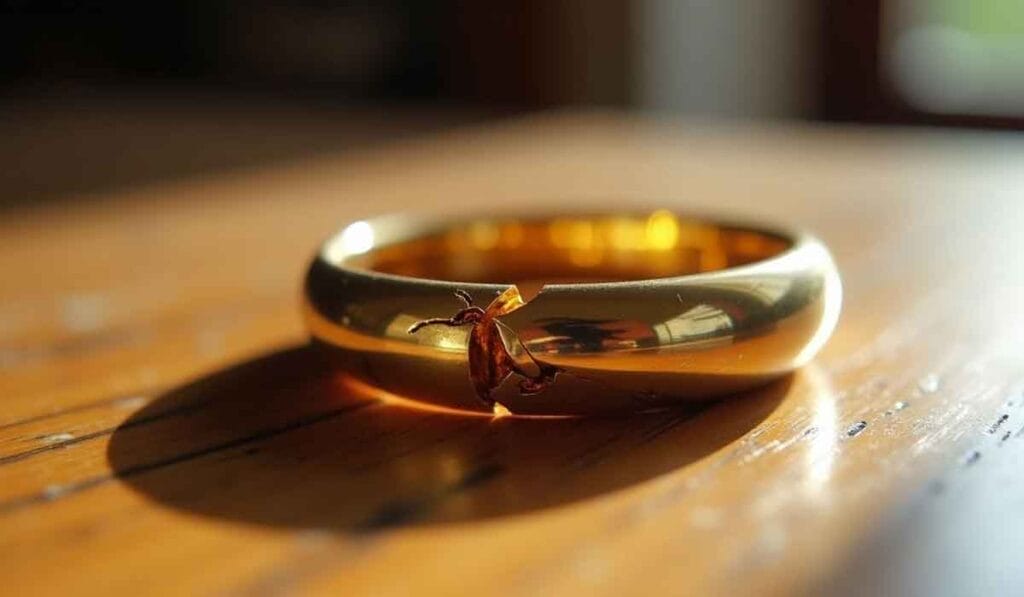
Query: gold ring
x: 564, y: 315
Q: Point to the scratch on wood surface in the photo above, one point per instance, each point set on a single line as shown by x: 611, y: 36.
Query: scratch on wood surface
x: 56, y: 438
x: 855, y: 429
x: 126, y: 402
x: 138, y: 422
x: 998, y: 423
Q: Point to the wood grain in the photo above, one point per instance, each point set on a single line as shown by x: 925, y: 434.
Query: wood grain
x: 165, y: 430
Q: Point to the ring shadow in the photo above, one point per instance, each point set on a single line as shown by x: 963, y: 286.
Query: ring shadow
x: 283, y: 440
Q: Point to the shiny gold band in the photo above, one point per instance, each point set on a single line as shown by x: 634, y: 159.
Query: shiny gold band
x: 569, y: 315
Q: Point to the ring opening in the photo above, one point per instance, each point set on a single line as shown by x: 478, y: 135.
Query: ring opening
x: 571, y: 249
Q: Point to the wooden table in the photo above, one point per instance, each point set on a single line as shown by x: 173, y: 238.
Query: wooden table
x: 164, y: 430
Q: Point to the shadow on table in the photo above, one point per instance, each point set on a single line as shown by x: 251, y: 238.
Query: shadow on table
x: 281, y: 440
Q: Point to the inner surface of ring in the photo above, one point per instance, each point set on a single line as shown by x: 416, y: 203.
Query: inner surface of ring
x: 572, y: 249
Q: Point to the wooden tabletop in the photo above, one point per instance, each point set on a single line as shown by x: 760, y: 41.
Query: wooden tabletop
x: 164, y: 430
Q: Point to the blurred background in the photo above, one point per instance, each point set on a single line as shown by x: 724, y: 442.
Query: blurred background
x: 97, y: 95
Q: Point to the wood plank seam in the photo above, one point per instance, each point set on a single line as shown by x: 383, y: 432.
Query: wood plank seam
x: 43, y: 497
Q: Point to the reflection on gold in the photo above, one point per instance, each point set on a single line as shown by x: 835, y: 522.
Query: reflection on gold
x: 511, y: 235
x: 626, y: 234
x: 362, y: 389
x: 772, y: 290
x: 566, y: 233
x: 445, y: 339
x: 749, y: 243
x: 484, y: 235
x: 564, y: 249
x: 662, y: 230
x: 703, y: 326
x: 586, y: 258
x: 712, y: 260
x: 357, y: 238
x: 831, y: 304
